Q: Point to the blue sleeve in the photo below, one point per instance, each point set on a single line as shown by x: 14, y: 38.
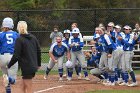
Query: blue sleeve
x: 81, y: 44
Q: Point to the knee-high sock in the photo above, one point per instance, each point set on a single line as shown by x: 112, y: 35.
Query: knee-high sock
x: 132, y: 74
x: 48, y: 70
x: 8, y: 89
x: 125, y: 77
x: 70, y: 72
x: 60, y: 72
x: 77, y: 69
x: 11, y: 80
x: 85, y: 72
x: 105, y: 75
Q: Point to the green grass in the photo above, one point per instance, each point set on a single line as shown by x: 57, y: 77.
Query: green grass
x: 114, y: 91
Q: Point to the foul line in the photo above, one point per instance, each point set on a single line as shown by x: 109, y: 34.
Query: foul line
x: 48, y: 89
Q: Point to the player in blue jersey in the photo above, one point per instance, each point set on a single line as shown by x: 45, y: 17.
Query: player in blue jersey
x: 76, y: 44
x: 128, y: 44
x: 7, y: 42
x: 57, y: 54
x: 107, y: 49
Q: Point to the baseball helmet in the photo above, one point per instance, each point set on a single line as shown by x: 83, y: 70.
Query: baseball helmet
x: 67, y: 31
x: 69, y: 64
x: 75, y: 31
x: 8, y: 22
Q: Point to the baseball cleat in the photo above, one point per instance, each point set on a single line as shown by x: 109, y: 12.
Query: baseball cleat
x: 124, y: 84
x: 60, y: 79
x: 133, y: 84
x: 110, y: 84
x: 5, y: 80
x: 65, y: 75
x: 69, y: 78
x: 45, y: 76
x: 87, y: 78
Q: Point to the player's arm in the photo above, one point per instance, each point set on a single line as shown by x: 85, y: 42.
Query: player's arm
x: 17, y: 53
x: 51, y: 53
x: 110, y: 46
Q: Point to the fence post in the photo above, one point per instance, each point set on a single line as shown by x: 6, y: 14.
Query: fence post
x: 95, y: 18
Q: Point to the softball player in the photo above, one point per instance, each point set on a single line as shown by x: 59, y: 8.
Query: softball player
x: 7, y: 42
x: 57, y: 54
x: 119, y: 52
x: 106, y: 64
x: 77, y: 64
x: 128, y: 54
x: 76, y: 43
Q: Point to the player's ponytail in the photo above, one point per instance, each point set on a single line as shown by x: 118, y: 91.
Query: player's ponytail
x: 22, y: 27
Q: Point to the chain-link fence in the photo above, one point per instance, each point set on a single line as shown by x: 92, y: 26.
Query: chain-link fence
x: 41, y: 22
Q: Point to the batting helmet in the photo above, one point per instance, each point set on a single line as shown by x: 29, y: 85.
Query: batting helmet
x: 67, y: 31
x: 69, y: 64
x: 8, y: 22
x: 75, y: 30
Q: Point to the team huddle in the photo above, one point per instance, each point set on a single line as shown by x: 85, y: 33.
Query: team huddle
x: 111, y: 54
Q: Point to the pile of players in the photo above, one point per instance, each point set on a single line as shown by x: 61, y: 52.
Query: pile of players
x: 111, y: 55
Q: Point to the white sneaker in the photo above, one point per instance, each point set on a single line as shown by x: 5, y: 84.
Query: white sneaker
x: 5, y: 80
x: 79, y: 77
x: 109, y: 84
x: 105, y: 82
x: 60, y: 79
x: 69, y: 78
x: 87, y: 78
x: 123, y: 84
x: 133, y: 84
x: 45, y: 76
x: 65, y: 75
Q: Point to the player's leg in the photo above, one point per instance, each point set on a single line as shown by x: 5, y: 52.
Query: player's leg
x: 103, y: 65
x: 60, y: 67
x: 124, y: 69
x: 81, y: 59
x: 49, y: 67
x: 3, y: 64
x: 73, y: 58
x: 27, y: 83
x: 131, y: 72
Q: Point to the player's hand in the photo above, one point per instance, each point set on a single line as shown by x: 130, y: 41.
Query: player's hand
x: 55, y: 61
x: 109, y: 55
x: 119, y: 38
x: 76, y: 44
x: 72, y: 45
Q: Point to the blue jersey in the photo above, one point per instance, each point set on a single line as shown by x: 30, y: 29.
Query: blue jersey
x: 77, y: 40
x: 128, y: 42
x: 7, y: 41
x: 119, y: 43
x: 94, y: 60
x: 58, y: 51
x: 66, y: 41
x: 106, y: 44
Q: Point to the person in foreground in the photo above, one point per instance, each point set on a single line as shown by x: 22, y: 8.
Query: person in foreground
x: 28, y: 54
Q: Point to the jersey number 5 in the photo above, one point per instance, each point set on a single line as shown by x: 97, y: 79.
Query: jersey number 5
x: 9, y: 38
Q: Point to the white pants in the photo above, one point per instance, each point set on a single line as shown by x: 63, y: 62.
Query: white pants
x: 4, y: 61
x: 81, y: 58
x: 60, y: 62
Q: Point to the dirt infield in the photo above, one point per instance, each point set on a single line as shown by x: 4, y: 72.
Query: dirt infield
x: 51, y: 85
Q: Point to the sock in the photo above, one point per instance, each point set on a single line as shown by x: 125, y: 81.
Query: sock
x: 48, y: 70
x: 70, y: 72
x: 60, y: 72
x: 122, y: 75
x: 85, y: 72
x: 77, y: 70
x: 8, y: 89
x: 132, y: 74
x: 105, y: 75
x: 119, y: 73
x: 126, y: 77
x: 112, y: 77
x: 12, y: 80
